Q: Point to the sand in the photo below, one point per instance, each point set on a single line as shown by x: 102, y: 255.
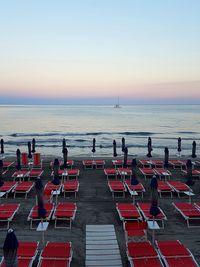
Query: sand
x: 96, y: 206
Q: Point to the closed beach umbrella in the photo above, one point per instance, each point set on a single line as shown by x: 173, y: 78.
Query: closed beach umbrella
x: 39, y: 192
x: 154, y: 187
x: 194, y: 149
x: 63, y: 145
x: 189, y: 181
x: 114, y: 149
x: 33, y: 145
x: 179, y: 145
x: 93, y: 145
x: 18, y: 153
x: 154, y: 210
x: 1, y: 173
x: 2, y: 146
x: 134, y: 180
x: 123, y: 144
x: 134, y: 164
x: 56, y: 179
x: 166, y: 159
x: 10, y: 249
x: 29, y: 150
x: 125, y: 157
x: 149, y: 147
x: 65, y: 154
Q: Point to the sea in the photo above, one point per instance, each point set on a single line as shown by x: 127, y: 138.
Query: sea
x: 79, y: 124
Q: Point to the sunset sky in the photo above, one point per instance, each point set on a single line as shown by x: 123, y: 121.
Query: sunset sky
x: 93, y: 51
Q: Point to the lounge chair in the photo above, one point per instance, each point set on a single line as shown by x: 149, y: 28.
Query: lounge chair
x: 179, y: 187
x: 117, y: 188
x: 70, y: 164
x: 23, y: 188
x: 128, y: 212
x: 7, y: 213
x: 163, y: 173
x: 20, y: 175
x: 175, y: 254
x: 70, y: 187
x: 195, y: 173
x: 26, y: 253
x: 164, y: 188
x: 24, y: 160
x: 69, y: 174
x: 143, y: 254
x: 124, y: 173
x: 190, y: 212
x: 151, y: 163
x: 144, y: 208
x: 88, y: 164
x: 175, y: 163
x: 110, y: 173
x: 135, y: 231
x: 147, y: 172
x: 37, y: 162
x: 95, y: 163
x: 119, y: 163
x: 56, y: 254
x: 34, y: 173
x: 139, y: 188
x: 65, y: 212
x: 8, y: 164
x: 7, y: 188
x: 33, y: 215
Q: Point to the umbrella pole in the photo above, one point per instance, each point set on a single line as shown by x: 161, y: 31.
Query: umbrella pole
x: 42, y: 232
x: 153, y: 232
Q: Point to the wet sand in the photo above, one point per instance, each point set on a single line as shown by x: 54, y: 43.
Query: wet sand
x: 96, y: 206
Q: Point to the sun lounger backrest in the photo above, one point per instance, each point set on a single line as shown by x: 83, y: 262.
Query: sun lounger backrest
x: 36, y: 159
x: 24, y: 158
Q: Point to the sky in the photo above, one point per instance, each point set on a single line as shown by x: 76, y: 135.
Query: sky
x: 94, y: 51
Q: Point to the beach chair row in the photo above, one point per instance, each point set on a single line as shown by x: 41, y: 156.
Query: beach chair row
x: 139, y: 212
x: 119, y: 188
x: 168, y: 253
x: 50, y: 190
x: 57, y: 254
x: 60, y: 212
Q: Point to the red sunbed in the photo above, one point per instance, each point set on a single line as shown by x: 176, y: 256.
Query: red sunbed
x: 7, y: 212
x: 124, y: 172
x: 163, y: 187
x: 33, y: 215
x: 23, y: 188
x: 70, y: 187
x: 175, y: 254
x: 145, y: 209
x: 7, y: 187
x: 139, y: 188
x: 20, y: 175
x: 163, y: 173
x: 179, y: 187
x: 56, y: 254
x: 110, y: 173
x: 189, y: 211
x: 117, y: 187
x: 64, y: 212
x: 147, y: 172
x: 128, y: 212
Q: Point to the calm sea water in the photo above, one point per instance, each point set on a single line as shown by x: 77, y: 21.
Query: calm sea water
x: 80, y: 124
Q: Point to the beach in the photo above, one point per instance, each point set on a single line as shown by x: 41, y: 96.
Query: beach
x: 95, y: 205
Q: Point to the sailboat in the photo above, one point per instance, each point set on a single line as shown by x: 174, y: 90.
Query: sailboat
x: 117, y: 104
